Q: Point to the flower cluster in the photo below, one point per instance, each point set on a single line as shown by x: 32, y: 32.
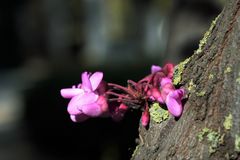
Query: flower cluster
x: 97, y: 98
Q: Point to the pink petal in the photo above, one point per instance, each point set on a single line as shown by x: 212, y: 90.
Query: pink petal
x: 86, y: 84
x: 79, y: 118
x: 155, y: 69
x: 92, y: 110
x: 76, y: 103
x: 73, y: 108
x: 87, y: 98
x: 165, y: 80
x: 96, y: 79
x: 70, y: 92
x: 165, y: 90
x: 173, y: 102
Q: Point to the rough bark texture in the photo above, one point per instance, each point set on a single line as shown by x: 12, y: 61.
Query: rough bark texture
x: 210, y: 125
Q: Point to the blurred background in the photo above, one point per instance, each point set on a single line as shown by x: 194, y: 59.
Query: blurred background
x: 46, y: 44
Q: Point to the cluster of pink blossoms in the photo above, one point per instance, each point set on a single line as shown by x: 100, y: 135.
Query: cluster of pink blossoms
x: 97, y: 98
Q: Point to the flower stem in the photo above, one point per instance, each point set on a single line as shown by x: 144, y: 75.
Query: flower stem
x: 122, y: 88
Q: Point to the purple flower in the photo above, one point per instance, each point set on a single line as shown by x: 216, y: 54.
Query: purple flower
x: 87, y: 100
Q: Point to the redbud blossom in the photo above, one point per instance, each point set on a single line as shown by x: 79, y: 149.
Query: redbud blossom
x: 96, y: 98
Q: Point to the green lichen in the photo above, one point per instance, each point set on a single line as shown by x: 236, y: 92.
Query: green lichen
x: 206, y: 36
x: 191, y: 86
x: 157, y: 113
x: 228, y: 70
x: 177, y: 76
x: 237, y: 143
x: 213, y: 138
x: 228, y: 122
x: 200, y: 94
x: 211, y: 76
x: 202, y: 133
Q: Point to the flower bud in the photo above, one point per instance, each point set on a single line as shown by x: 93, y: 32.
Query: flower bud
x: 145, y: 117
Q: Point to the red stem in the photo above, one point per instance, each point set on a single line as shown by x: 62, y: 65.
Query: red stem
x: 149, y: 80
x: 122, y: 88
x: 116, y: 94
x: 122, y: 100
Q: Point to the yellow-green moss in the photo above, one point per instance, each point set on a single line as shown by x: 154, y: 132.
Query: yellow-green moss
x: 200, y: 94
x: 177, y: 76
x: 206, y: 36
x: 191, y: 86
x: 228, y: 122
x: 213, y: 138
x: 211, y: 76
x: 157, y: 113
x: 228, y: 70
x: 237, y: 143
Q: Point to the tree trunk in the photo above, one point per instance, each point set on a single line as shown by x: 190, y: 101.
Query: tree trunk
x: 210, y: 125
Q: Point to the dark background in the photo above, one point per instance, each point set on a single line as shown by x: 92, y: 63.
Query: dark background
x: 46, y: 44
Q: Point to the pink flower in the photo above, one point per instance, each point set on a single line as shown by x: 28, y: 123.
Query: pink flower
x: 87, y: 100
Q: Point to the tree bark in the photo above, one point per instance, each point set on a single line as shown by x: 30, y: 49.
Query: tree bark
x: 209, y: 127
